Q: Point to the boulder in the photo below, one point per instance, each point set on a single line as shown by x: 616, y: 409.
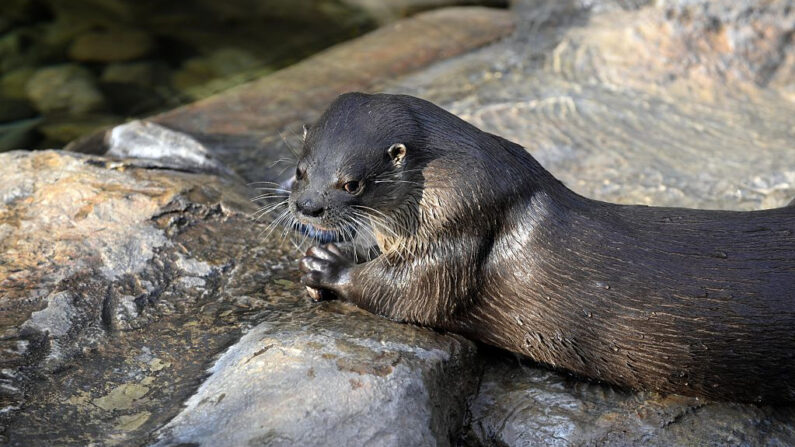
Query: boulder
x: 522, y: 405
x: 163, y: 148
x: 335, y: 384
x: 220, y: 63
x: 64, y: 88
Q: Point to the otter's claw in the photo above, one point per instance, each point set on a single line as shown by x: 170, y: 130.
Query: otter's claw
x: 326, y: 270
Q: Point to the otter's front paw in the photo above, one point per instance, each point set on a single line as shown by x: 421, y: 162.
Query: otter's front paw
x: 326, y: 270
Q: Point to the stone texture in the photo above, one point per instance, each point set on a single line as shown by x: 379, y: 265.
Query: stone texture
x: 632, y: 105
x: 162, y: 147
x: 122, y: 282
x: 386, y: 12
x: 337, y: 383
x: 64, y: 88
x: 386, y: 52
x: 12, y: 83
x: 638, y: 105
x: 194, y: 75
x: 526, y: 406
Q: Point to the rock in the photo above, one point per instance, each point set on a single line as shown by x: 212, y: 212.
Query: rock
x: 132, y: 88
x: 386, y: 12
x: 220, y: 63
x: 120, y: 285
x: 657, y: 119
x: 10, y: 47
x: 81, y: 242
x: 249, y: 116
x: 64, y: 88
x: 526, y: 406
x: 161, y: 147
x: 27, y: 46
x: 124, y: 281
x: 333, y: 385
x: 16, y: 50
x: 112, y: 45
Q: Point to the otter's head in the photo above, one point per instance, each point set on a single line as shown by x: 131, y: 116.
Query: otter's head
x: 355, y: 165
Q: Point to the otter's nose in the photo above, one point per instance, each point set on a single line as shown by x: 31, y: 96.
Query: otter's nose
x: 310, y: 208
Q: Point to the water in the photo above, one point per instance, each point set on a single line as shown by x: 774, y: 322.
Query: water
x: 70, y: 68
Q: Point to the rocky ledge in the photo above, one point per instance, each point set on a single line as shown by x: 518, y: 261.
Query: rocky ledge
x: 142, y: 302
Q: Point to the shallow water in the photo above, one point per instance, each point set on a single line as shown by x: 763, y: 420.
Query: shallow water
x: 69, y: 68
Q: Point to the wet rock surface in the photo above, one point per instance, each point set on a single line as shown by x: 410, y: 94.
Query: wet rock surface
x: 122, y: 284
x: 522, y: 405
x: 142, y: 304
x: 670, y: 104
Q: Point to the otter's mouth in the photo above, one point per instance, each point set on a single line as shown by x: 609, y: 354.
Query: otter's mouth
x: 320, y: 234
x: 325, y: 235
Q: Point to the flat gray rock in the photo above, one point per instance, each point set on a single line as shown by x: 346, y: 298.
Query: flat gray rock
x: 323, y: 382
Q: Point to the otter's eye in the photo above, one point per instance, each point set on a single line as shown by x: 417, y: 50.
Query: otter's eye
x: 299, y: 173
x: 352, y: 187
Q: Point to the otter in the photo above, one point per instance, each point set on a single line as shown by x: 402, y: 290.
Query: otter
x: 468, y: 233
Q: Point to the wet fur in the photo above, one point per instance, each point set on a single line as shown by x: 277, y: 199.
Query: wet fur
x: 485, y: 242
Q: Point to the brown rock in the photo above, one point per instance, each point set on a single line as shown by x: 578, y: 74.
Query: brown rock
x: 386, y: 12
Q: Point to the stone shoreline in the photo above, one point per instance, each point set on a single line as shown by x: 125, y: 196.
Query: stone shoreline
x: 141, y: 303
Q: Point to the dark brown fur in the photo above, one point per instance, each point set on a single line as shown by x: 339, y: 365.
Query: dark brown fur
x: 476, y: 237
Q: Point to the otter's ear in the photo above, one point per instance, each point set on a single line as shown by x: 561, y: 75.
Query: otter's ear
x: 397, y: 152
